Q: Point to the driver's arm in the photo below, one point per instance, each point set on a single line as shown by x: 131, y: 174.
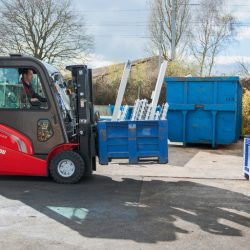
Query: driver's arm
x: 40, y: 98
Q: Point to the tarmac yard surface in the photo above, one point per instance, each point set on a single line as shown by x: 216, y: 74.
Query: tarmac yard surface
x: 198, y: 201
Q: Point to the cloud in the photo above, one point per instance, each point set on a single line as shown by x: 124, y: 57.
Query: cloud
x: 227, y: 60
x: 240, y: 9
x: 97, y: 61
x: 244, y: 33
x: 114, y: 27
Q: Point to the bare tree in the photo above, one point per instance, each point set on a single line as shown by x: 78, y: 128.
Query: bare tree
x: 46, y: 29
x: 243, y: 68
x: 160, y: 25
x: 213, y: 30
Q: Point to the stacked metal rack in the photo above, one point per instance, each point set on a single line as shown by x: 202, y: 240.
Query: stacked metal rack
x: 142, y: 109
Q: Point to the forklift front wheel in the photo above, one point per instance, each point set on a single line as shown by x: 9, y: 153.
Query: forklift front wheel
x: 67, y: 167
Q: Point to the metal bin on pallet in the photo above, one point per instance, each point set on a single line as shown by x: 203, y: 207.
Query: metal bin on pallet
x: 134, y: 140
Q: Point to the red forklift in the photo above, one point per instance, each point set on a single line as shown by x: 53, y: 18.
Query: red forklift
x: 49, y: 138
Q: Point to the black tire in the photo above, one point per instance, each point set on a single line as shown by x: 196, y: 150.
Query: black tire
x: 74, y: 159
x: 88, y: 172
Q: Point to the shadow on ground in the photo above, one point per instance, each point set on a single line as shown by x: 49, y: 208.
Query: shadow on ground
x: 142, y: 211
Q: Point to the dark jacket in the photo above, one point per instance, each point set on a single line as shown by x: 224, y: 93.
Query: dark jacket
x: 30, y: 92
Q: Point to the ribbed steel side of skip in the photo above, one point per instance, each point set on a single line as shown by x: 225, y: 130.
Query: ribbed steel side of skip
x: 204, y: 110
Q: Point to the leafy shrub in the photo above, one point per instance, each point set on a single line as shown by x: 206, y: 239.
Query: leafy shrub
x: 246, y: 112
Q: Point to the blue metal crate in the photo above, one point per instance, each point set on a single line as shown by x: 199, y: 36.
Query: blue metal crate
x: 246, y: 164
x: 204, y: 110
x: 133, y: 140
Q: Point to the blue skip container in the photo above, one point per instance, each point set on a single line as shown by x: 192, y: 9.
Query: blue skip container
x: 204, y: 110
x: 246, y: 164
x: 133, y: 140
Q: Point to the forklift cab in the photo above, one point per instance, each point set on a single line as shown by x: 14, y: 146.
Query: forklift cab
x: 55, y: 138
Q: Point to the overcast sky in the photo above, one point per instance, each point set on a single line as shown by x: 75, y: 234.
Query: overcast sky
x: 119, y: 29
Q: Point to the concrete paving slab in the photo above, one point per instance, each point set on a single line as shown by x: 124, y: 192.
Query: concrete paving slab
x: 209, y: 165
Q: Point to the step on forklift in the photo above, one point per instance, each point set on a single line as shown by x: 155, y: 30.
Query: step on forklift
x: 46, y: 138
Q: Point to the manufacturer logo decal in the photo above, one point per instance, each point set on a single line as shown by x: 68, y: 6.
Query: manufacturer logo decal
x: 2, y: 152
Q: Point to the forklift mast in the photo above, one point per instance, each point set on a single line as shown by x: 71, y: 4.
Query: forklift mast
x: 85, y: 134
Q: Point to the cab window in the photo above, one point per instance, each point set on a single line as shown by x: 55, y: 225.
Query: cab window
x: 21, y: 88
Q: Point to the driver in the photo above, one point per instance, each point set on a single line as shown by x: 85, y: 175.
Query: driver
x: 33, y: 97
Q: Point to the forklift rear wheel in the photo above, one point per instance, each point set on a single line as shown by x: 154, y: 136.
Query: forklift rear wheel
x: 67, y: 167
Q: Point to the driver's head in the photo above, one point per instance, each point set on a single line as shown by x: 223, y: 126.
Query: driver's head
x: 27, y: 75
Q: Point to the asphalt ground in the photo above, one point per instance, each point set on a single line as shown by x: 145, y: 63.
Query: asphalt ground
x: 199, y: 200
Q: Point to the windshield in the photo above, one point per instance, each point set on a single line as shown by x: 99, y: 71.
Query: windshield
x: 63, y: 98
x: 60, y: 86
